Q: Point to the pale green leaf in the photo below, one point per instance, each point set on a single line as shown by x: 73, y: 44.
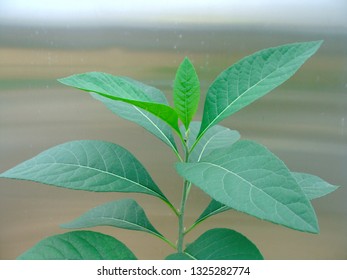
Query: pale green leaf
x: 122, y: 89
x: 212, y: 209
x: 215, y: 138
x: 125, y: 213
x: 249, y: 178
x: 186, y: 92
x: 88, y: 165
x: 313, y: 186
x: 222, y: 244
x: 79, y: 245
x: 130, y: 112
x: 251, y: 78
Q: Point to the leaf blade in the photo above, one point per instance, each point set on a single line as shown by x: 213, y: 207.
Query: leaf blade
x: 215, y: 138
x: 122, y: 89
x: 249, y: 178
x: 313, y: 186
x: 125, y: 213
x: 88, y: 165
x: 222, y: 244
x: 186, y: 92
x: 79, y: 245
x: 148, y: 121
x: 251, y: 78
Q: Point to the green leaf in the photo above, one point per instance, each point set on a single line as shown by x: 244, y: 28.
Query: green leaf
x: 251, y: 78
x: 212, y: 209
x: 122, y: 89
x: 125, y: 213
x: 179, y: 256
x: 186, y: 92
x: 222, y: 244
x: 90, y: 166
x: 249, y: 178
x: 143, y: 118
x: 79, y: 245
x: 215, y: 138
x: 313, y: 186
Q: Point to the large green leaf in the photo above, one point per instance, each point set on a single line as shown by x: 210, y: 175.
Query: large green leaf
x: 249, y: 178
x: 251, y: 78
x: 125, y: 213
x: 88, y: 165
x: 313, y: 186
x: 79, y: 245
x: 130, y: 112
x: 186, y: 92
x: 215, y: 138
x: 122, y: 89
x: 222, y: 244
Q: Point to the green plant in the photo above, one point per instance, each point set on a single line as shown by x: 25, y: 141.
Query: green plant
x: 236, y: 174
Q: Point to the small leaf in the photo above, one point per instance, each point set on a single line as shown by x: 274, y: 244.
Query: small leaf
x: 215, y: 138
x: 251, y: 78
x: 212, y: 209
x: 88, y: 165
x: 79, y: 245
x: 125, y: 213
x: 313, y: 186
x: 122, y: 89
x: 143, y: 118
x: 186, y: 92
x: 249, y: 178
x: 222, y: 244
x: 179, y: 256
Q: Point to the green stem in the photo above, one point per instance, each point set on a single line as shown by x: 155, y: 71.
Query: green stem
x: 185, y: 192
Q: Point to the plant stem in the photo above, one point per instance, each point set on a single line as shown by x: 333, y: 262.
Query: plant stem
x: 185, y: 192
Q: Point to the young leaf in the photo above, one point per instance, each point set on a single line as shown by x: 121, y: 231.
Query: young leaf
x: 313, y: 186
x: 79, y: 245
x: 125, y: 213
x: 143, y: 118
x: 122, y: 89
x: 249, y: 178
x: 186, y: 92
x: 215, y: 138
x: 88, y: 165
x: 212, y: 209
x: 251, y: 78
x: 222, y: 244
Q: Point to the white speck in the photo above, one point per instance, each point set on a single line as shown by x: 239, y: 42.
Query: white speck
x: 180, y: 36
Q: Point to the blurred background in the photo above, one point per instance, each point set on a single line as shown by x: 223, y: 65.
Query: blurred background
x: 304, y: 121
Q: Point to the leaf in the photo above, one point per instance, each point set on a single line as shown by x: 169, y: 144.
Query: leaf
x: 215, y: 138
x: 178, y: 256
x: 222, y: 244
x: 90, y: 166
x: 125, y: 213
x: 251, y: 78
x: 186, y: 92
x: 122, y: 89
x: 313, y: 186
x: 79, y: 245
x: 212, y: 209
x: 143, y: 118
x: 249, y: 178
